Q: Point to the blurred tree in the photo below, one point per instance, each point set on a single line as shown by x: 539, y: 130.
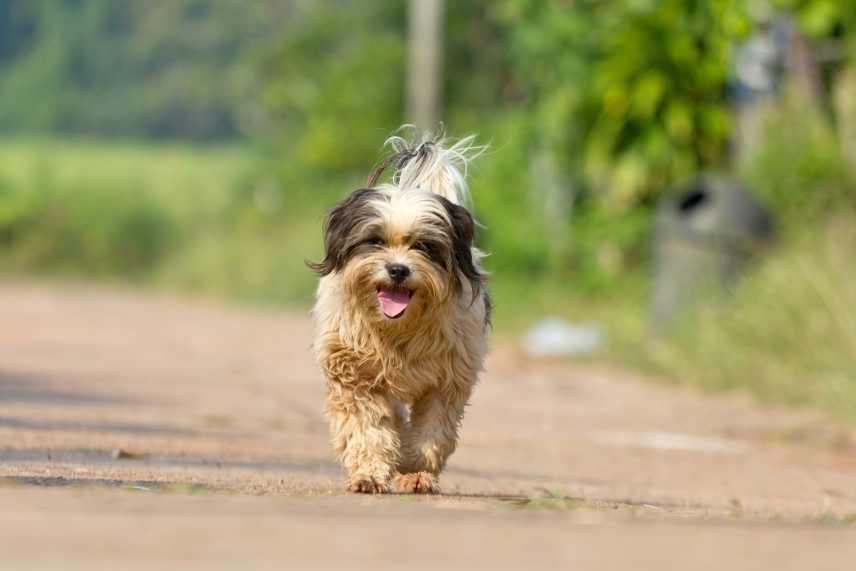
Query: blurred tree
x: 632, y: 93
x: 818, y: 18
x: 159, y: 69
x: 425, y: 63
x: 335, y: 84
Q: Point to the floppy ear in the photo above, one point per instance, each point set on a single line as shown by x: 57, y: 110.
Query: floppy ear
x: 340, y: 230
x: 463, y: 230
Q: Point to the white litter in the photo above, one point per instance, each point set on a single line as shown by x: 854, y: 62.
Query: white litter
x: 555, y: 337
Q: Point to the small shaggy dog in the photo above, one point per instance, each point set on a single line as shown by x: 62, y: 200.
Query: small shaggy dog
x: 401, y: 316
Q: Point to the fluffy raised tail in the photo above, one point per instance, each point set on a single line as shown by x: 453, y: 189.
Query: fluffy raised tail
x: 431, y: 162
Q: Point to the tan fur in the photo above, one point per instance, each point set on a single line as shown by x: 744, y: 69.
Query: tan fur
x: 397, y: 388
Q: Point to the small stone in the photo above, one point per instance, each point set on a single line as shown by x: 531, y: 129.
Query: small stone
x: 121, y: 454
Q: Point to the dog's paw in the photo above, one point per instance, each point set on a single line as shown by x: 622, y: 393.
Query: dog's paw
x: 367, y: 485
x: 417, y: 483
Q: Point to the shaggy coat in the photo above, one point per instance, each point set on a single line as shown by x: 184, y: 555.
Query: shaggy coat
x: 401, y: 318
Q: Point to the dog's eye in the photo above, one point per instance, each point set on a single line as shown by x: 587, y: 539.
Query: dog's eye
x: 374, y: 241
x: 426, y: 248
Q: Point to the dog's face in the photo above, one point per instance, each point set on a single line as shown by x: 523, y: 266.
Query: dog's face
x: 400, y: 253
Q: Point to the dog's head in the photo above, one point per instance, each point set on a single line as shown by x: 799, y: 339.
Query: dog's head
x: 400, y: 253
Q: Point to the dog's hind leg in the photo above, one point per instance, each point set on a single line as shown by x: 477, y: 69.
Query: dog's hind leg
x: 430, y: 439
x: 364, y: 433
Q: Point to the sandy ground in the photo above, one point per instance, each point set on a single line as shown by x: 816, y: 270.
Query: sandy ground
x: 143, y: 432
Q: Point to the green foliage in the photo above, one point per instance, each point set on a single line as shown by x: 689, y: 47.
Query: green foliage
x: 123, y: 219
x: 518, y: 242
x: 188, y: 218
x: 637, y: 101
x: 89, y: 229
x: 800, y: 169
x: 335, y: 83
x: 159, y: 69
x: 628, y: 95
x: 821, y: 18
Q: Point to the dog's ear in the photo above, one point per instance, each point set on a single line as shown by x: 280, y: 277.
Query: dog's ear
x: 341, y: 228
x: 463, y: 231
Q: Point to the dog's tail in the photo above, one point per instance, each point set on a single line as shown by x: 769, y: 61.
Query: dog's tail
x: 431, y: 162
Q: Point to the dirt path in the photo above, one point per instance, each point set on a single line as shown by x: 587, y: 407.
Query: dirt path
x: 215, y: 406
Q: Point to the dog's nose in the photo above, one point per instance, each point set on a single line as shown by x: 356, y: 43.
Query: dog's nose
x: 398, y: 272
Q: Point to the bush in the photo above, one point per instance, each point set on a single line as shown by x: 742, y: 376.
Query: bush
x: 206, y: 220
x: 799, y: 170
x: 91, y: 229
x: 110, y: 210
x: 173, y: 69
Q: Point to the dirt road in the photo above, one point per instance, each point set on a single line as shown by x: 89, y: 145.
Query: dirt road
x: 147, y: 432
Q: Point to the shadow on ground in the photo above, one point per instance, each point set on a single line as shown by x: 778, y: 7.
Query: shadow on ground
x: 27, y: 388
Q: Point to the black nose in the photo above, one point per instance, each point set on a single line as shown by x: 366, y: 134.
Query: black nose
x: 398, y: 272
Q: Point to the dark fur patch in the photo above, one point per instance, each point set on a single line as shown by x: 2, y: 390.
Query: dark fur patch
x: 434, y: 250
x: 341, y: 239
x: 463, y: 231
x: 376, y: 173
x: 488, y: 309
x: 400, y: 160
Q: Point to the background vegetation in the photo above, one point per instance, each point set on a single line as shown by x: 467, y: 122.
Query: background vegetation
x: 196, y: 144
x: 128, y: 68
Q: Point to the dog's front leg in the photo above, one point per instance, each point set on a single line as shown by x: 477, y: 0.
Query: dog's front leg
x: 364, y: 436
x: 431, y: 439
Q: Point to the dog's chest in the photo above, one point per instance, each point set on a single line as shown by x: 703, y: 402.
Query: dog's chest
x: 408, y: 374
x: 417, y: 375
x: 407, y: 370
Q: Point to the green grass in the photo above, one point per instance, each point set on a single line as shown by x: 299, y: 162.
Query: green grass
x: 787, y: 336
x: 107, y: 209
x: 189, y: 181
x: 196, y: 219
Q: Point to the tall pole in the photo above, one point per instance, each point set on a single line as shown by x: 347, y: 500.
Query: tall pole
x: 424, y: 81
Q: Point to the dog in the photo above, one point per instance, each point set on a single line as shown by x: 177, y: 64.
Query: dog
x: 402, y: 314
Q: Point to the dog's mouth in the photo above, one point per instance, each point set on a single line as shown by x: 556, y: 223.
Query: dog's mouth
x: 393, y: 300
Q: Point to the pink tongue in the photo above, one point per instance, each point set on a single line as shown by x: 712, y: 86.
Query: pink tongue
x: 393, y: 302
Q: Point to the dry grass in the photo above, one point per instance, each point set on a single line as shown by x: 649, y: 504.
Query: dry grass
x: 789, y: 335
